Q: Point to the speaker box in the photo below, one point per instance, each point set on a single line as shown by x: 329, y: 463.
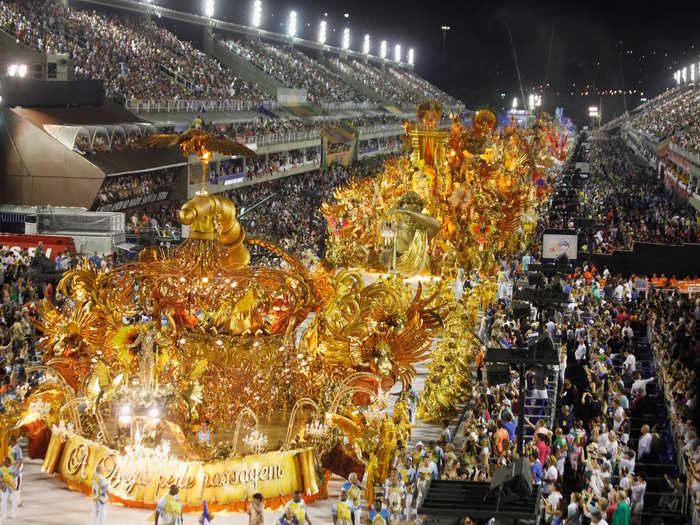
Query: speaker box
x: 497, y: 374
x: 514, y: 481
x: 520, y: 309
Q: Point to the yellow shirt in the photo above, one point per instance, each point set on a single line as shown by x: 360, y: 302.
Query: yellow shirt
x: 343, y: 511
x: 299, y: 510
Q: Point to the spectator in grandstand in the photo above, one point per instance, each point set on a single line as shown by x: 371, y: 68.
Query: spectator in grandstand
x: 126, y: 187
x: 296, y: 70
x: 134, y: 58
x: 673, y: 111
x: 630, y: 203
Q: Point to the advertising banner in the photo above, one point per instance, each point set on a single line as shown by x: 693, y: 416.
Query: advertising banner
x: 136, y: 201
x: 556, y: 243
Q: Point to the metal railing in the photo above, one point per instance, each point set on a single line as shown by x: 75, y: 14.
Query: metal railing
x: 283, y: 138
x: 368, y: 130
x: 169, y: 105
x: 350, y: 104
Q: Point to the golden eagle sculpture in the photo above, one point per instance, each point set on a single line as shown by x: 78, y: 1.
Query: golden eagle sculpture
x: 197, y: 142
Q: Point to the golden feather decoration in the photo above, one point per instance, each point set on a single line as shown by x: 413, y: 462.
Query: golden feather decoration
x: 195, y: 141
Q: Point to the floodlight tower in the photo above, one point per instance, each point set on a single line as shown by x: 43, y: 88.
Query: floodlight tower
x: 256, y: 18
x: 292, y: 25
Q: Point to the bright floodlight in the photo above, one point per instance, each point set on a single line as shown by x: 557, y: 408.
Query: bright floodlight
x: 410, y: 57
x: 531, y: 101
x: 538, y: 101
x: 382, y: 49
x: 257, y: 13
x: 292, y: 25
x: 12, y: 70
x: 365, y: 45
x: 692, y: 72
x: 677, y: 77
x: 515, y: 103
x: 397, y: 53
x: 322, y: 32
x: 593, y: 111
x: 209, y: 8
x: 684, y: 73
x: 346, y: 38
x: 22, y: 70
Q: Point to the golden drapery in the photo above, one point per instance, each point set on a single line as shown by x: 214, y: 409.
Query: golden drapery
x: 226, y: 484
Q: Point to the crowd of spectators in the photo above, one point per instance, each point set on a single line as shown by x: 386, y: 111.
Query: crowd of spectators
x: 296, y: 70
x: 265, y: 130
x: 673, y: 333
x: 135, y: 58
x: 125, y: 187
x: 629, y: 203
x: 671, y: 112
x: 408, y: 81
x: 377, y: 80
x: 608, y: 455
x: 292, y: 217
x: 689, y: 138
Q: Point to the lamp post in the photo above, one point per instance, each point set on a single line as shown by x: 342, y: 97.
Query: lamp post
x: 445, y: 29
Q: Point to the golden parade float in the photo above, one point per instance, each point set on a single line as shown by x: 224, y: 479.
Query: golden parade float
x: 281, y: 363
x: 461, y: 200
x: 289, y: 367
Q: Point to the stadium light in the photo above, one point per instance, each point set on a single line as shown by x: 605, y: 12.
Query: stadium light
x: 17, y: 70
x: 445, y: 29
x: 322, y: 32
x: 292, y: 24
x: 397, y: 53
x: 684, y: 74
x: 531, y: 101
x: 257, y: 13
x: 382, y: 49
x: 514, y: 105
x: 677, y: 77
x: 346, y: 38
x: 209, y: 8
x: 410, y: 57
x: 366, y: 45
x: 692, y: 72
x: 593, y: 112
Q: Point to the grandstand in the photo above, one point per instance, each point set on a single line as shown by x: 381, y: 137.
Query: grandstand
x: 264, y: 92
x: 665, y: 131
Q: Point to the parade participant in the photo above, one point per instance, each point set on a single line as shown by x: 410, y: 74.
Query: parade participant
x: 255, y: 511
x: 204, y: 434
x: 298, y: 507
x: 169, y: 508
x: 395, y: 494
x: 425, y: 474
x: 445, y: 435
x: 437, y: 454
x: 408, y: 475
x: 18, y: 464
x: 8, y: 484
x: 418, y: 454
x: 378, y: 515
x: 206, y: 517
x: 100, y: 491
x: 354, y: 491
x: 288, y: 518
x: 342, y: 510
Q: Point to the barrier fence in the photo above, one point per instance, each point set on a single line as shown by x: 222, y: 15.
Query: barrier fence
x: 195, y: 105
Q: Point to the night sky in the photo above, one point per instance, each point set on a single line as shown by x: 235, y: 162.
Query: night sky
x: 605, y: 45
